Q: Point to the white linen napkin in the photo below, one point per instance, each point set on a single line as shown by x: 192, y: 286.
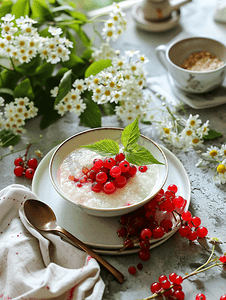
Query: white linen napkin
x: 39, y: 266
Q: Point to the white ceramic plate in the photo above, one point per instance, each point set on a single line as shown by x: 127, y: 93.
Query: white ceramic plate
x: 100, y: 233
x: 138, y: 16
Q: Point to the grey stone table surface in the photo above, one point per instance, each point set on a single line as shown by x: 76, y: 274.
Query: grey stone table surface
x: 208, y: 201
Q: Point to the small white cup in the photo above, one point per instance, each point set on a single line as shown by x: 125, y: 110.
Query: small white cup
x: 172, y: 56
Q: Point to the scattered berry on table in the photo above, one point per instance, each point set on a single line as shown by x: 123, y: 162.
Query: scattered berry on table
x: 19, y: 171
x: 200, y: 296
x: 132, y: 270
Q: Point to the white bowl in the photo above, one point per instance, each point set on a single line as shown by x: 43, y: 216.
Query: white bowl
x: 91, y: 136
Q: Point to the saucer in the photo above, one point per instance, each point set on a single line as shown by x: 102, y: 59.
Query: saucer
x: 138, y: 16
x: 97, y: 232
x: 200, y: 101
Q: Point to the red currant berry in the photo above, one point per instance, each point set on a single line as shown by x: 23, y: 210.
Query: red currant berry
x: 184, y: 231
x: 165, y: 284
x: 132, y: 230
x: 178, y: 279
x: 98, y: 163
x: 29, y: 173
x: 144, y: 245
x: 177, y: 287
x: 115, y: 171
x: 124, y: 165
x: 202, y: 231
x: 158, y: 232
x: 132, y: 270
x: 92, y: 174
x: 172, y: 187
x: 139, y: 266
x: 146, y: 234
x: 172, y: 277
x: 178, y: 201
x: 179, y: 295
x: 124, y: 220
x: 128, y: 244
x: 200, y: 296
x: 119, y: 157
x: 192, y: 236
x: 223, y: 297
x: 132, y: 170
x: 120, y: 182
x: 19, y: 171
x: 222, y: 259
x: 97, y: 187
x: 169, y: 194
x: 109, y: 187
x: 168, y: 293
x: 122, y: 231
x: 156, y: 287
x: 32, y: 163
x: 101, y: 177
x: 186, y: 216
x: 194, y: 222
x: 162, y: 278
x: 142, y: 169
x: 166, y: 225
x: 19, y: 161
x: 109, y: 163
x: 144, y: 255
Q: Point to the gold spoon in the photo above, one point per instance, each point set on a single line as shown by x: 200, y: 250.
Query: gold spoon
x: 42, y: 217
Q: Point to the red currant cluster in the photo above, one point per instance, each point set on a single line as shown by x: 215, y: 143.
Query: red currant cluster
x: 24, y: 166
x: 172, y: 286
x: 109, y: 174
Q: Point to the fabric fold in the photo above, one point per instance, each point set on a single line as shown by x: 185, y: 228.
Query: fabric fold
x: 35, y: 265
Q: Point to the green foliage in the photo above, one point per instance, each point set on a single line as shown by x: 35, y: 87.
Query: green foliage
x: 97, y: 67
x: 64, y: 87
x: 24, y: 89
x: 104, y: 147
x: 21, y: 8
x: 6, y: 8
x: 212, y: 134
x: 8, y: 138
x: 91, y: 117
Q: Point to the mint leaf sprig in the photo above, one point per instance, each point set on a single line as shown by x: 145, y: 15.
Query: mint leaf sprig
x: 134, y: 153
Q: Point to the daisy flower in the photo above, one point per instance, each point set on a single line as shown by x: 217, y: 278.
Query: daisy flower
x: 212, y: 152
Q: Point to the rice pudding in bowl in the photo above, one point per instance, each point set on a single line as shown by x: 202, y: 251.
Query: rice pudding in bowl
x: 69, y: 164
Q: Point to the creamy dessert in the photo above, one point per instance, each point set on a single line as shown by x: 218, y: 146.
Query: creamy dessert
x: 202, y: 62
x: 81, y: 178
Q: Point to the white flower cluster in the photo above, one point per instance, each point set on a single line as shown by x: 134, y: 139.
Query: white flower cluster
x: 115, y: 25
x: 16, y: 113
x: 217, y: 157
x: 21, y: 41
x: 182, y: 133
x: 121, y: 83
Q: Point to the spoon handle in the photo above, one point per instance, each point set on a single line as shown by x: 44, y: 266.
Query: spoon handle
x: 118, y: 275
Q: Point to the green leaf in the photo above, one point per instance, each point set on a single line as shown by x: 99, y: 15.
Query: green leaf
x: 8, y: 79
x: 64, y: 87
x: 87, y: 54
x: 140, y: 156
x: 212, y: 134
x: 5, y: 8
x: 108, y: 108
x: 78, y: 15
x: 29, y: 69
x: 43, y: 72
x: 24, y: 89
x: 21, y: 8
x: 73, y: 61
x: 104, y: 147
x: 8, y: 138
x: 130, y: 134
x: 97, y: 67
x: 84, y: 38
x: 41, y: 11
x: 49, y: 119
x: 91, y: 117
